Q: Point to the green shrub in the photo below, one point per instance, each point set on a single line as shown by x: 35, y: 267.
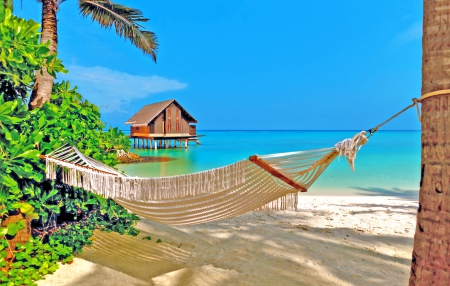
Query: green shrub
x: 63, y: 218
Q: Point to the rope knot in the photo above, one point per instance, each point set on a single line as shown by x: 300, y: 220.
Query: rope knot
x: 349, y: 147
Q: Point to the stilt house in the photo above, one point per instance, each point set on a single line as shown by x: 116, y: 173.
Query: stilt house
x: 163, y: 122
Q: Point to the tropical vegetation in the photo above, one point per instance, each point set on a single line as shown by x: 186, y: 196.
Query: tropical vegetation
x: 60, y: 219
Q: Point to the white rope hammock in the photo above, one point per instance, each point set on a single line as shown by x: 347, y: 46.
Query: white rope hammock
x: 261, y: 182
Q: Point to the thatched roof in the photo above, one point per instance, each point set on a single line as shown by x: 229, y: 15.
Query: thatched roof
x: 151, y: 111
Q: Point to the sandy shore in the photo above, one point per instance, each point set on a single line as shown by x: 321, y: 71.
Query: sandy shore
x: 327, y: 241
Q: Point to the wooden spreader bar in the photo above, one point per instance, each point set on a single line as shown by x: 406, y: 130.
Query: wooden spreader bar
x: 81, y: 166
x: 260, y: 162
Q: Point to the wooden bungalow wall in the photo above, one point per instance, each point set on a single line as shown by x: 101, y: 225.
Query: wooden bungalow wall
x: 158, y: 123
x: 164, y: 117
x: 184, y: 123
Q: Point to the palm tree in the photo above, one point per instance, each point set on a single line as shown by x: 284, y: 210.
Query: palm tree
x: 125, y: 20
x: 431, y: 255
x: 8, y: 4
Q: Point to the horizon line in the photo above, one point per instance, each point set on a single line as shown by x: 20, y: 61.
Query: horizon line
x: 287, y: 130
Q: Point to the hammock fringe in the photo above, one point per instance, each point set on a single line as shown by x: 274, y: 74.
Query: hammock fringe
x: 204, y: 196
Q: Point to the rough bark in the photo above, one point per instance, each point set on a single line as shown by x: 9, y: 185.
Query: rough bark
x: 8, y: 4
x: 431, y: 255
x: 44, y: 82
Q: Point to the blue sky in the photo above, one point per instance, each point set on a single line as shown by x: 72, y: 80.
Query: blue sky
x: 253, y: 65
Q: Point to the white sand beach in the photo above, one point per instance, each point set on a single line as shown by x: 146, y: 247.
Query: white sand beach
x: 365, y: 240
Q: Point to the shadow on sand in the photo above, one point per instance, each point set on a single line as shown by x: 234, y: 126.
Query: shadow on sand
x: 250, y: 250
x: 394, y: 192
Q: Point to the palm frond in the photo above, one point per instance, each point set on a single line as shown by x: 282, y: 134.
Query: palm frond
x: 59, y: 2
x: 125, y: 20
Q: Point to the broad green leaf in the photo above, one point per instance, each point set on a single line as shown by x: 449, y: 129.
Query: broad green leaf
x: 13, y: 228
x: 26, y: 208
x: 41, y: 121
x: 38, y: 137
x: 3, y: 231
x: 30, y: 154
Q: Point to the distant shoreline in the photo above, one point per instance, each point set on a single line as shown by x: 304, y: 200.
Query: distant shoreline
x: 151, y: 159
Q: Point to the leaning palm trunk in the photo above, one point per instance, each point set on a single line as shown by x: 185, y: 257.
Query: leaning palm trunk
x: 44, y: 82
x: 125, y: 20
x: 431, y: 255
x: 8, y: 4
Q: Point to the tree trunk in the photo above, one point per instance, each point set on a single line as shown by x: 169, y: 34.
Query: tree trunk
x: 431, y: 255
x: 44, y: 82
x: 8, y: 4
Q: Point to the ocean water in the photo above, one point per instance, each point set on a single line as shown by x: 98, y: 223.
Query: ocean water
x: 389, y: 164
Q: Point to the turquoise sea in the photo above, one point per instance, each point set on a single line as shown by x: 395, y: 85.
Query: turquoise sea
x: 389, y: 164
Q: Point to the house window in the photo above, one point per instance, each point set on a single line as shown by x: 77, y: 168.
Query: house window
x: 169, y: 122
x: 178, y: 120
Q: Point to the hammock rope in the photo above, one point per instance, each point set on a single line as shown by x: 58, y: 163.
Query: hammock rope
x: 415, y: 103
x: 268, y: 182
x: 261, y: 182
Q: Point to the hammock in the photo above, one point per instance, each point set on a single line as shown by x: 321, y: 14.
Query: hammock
x: 261, y: 182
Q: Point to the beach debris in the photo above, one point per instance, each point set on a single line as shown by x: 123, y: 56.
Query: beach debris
x: 129, y: 157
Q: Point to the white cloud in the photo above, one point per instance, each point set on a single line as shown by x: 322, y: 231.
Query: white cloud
x: 112, y: 89
x: 413, y: 32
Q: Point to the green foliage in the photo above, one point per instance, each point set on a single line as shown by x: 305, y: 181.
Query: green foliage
x: 63, y: 218
x: 18, y: 153
x: 114, y: 217
x: 76, y: 235
x: 44, y: 203
x: 21, y: 54
x: 70, y: 119
x: 13, y: 228
x: 32, y: 260
x: 126, y: 21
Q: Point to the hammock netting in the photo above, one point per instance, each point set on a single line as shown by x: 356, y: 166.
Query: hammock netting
x: 269, y: 182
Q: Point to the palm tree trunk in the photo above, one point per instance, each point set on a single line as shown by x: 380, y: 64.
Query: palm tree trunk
x: 431, y: 255
x: 44, y: 82
x: 8, y: 4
